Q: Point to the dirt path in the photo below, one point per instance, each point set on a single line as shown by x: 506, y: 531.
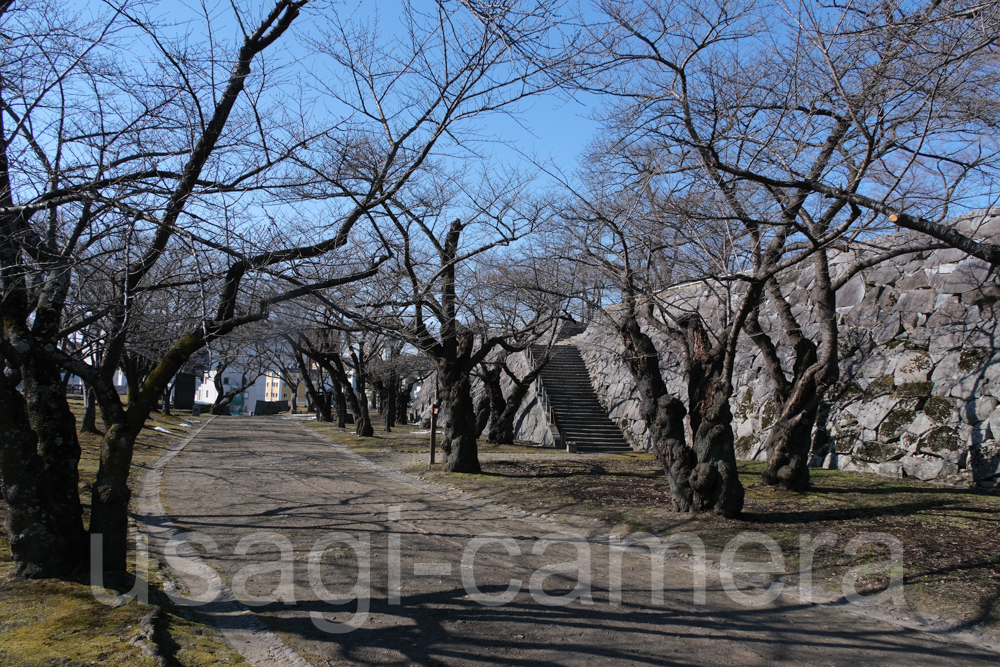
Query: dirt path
x: 241, y: 477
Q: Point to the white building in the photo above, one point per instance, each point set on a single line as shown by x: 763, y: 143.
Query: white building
x: 267, y: 387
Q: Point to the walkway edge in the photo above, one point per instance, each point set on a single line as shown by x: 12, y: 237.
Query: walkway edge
x: 241, y: 628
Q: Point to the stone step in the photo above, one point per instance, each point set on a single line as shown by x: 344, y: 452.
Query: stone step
x: 579, y: 414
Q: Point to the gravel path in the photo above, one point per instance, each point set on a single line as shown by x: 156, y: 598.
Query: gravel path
x: 270, y: 479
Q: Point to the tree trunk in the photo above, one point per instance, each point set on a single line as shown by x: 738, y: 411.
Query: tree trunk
x: 362, y: 421
x: 89, y: 424
x: 344, y: 393
x: 459, y: 439
x: 714, y: 481
x: 389, y: 407
x: 378, y: 394
x: 319, y: 404
x: 790, y: 440
x: 340, y: 402
x: 111, y: 495
x: 663, y: 413
x: 135, y: 367
x: 403, y: 402
x: 362, y: 418
x: 482, y: 413
x: 39, y: 542
x: 166, y: 400
x: 493, y: 391
x: 789, y: 443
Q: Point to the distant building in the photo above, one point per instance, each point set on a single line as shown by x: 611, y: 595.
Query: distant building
x: 269, y: 387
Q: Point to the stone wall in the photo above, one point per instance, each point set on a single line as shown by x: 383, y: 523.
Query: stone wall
x: 920, y: 369
x: 531, y: 422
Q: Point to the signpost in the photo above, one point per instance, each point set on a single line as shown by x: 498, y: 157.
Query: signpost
x: 434, y: 414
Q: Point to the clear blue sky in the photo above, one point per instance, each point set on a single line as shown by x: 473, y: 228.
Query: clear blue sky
x: 551, y: 128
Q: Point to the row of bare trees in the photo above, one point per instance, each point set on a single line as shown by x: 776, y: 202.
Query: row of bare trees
x: 151, y: 206
x: 160, y: 189
x: 742, y: 138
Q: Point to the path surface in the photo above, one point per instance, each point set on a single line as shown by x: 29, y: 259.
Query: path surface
x: 240, y: 477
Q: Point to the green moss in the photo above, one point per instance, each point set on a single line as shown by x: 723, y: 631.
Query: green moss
x: 894, y: 423
x: 942, y: 437
x: 846, y: 439
x: 746, y: 405
x: 937, y: 408
x: 920, y: 362
x: 743, y: 445
x: 875, y: 451
x: 880, y: 386
x: 971, y: 358
x: 50, y: 622
x: 848, y: 392
x: 769, y: 414
x: 914, y: 389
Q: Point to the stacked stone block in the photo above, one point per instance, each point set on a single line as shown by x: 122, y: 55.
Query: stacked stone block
x: 920, y: 370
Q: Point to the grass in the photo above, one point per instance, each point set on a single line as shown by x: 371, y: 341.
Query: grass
x: 950, y: 536
x: 52, y: 622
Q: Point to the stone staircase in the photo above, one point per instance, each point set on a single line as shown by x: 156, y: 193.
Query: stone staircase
x: 579, y: 416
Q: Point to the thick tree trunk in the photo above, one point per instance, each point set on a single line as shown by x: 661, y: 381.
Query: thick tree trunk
x: 789, y: 443
x: 324, y: 407
x: 459, y: 438
x: 340, y: 403
x: 136, y: 368
x: 89, y: 423
x: 493, y: 392
x: 111, y: 495
x: 482, y: 413
x: 39, y: 543
x: 663, y: 413
x: 344, y: 393
x: 363, y: 421
x: 362, y: 417
x: 378, y: 396
x: 55, y: 426
x: 403, y: 402
x: 318, y: 402
x: 166, y: 400
x: 389, y: 408
x: 714, y: 481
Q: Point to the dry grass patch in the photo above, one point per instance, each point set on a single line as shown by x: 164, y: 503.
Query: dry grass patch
x: 50, y: 622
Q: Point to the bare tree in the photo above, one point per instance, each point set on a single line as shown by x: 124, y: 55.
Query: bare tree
x: 69, y: 198
x: 727, y: 124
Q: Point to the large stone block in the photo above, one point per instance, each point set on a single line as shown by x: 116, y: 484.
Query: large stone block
x: 918, y: 301
x: 969, y: 274
x: 949, y: 311
x: 912, y: 366
x: 927, y: 469
x: 872, y: 412
x: 852, y: 293
x: 914, y: 281
x: 984, y: 461
x: 978, y: 410
x: 892, y: 469
x: 887, y: 329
